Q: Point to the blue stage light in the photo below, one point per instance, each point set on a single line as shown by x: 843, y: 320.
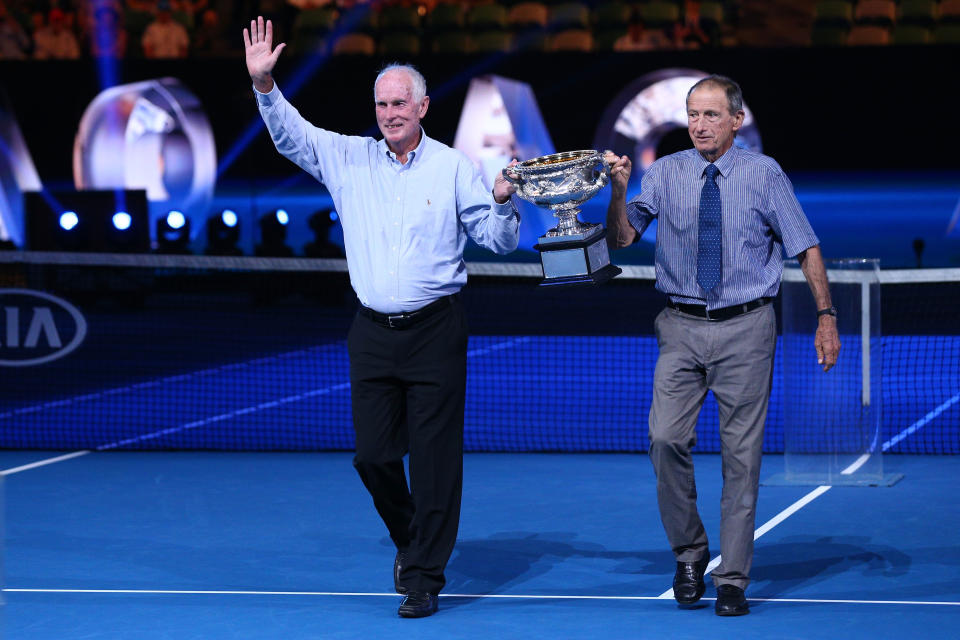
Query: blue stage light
x: 223, y: 233
x: 176, y: 219
x: 333, y: 216
x: 68, y: 220
x: 282, y: 216
x: 122, y: 220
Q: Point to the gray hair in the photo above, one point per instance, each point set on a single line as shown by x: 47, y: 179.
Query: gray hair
x: 418, y: 84
x: 731, y: 88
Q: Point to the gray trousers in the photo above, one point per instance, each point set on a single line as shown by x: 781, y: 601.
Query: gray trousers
x: 734, y: 359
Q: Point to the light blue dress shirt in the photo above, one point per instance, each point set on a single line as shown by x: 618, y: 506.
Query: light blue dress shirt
x: 405, y: 226
x: 760, y: 215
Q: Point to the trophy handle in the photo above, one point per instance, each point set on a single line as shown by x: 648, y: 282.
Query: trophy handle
x: 604, y: 176
x: 513, y: 181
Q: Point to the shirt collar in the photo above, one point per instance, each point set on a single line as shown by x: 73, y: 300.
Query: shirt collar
x: 413, y: 154
x: 724, y: 163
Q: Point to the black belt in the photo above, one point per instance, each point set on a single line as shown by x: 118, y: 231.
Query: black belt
x: 724, y: 313
x: 407, y: 318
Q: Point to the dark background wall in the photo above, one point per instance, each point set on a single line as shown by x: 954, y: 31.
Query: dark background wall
x: 817, y: 109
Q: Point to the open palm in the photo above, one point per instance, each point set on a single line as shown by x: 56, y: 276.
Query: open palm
x: 261, y: 56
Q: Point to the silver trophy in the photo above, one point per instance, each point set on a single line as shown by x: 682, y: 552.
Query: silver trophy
x: 573, y: 252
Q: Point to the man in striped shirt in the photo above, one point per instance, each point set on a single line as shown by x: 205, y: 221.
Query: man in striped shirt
x: 725, y: 216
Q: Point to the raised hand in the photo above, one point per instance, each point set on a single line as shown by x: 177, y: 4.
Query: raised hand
x: 261, y: 56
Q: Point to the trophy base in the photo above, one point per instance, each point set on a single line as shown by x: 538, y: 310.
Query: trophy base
x: 597, y: 277
x: 576, y: 259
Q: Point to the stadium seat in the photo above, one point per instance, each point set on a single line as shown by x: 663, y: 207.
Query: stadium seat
x: 909, y: 34
x: 949, y: 11
x: 571, y: 40
x: 868, y: 35
x: 530, y: 40
x: 917, y: 12
x: 400, y: 43
x: 399, y: 18
x: 527, y: 15
x: 492, y: 41
x: 487, y: 17
x: 359, y: 19
x: 875, y: 12
x: 310, y: 29
x: 610, y: 16
x: 568, y: 15
x: 828, y: 35
x: 451, y: 42
x: 605, y: 39
x: 355, y: 44
x: 445, y: 17
x: 833, y: 13
x: 947, y: 34
x: 659, y: 15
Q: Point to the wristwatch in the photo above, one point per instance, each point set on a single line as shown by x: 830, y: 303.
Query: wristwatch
x: 829, y: 311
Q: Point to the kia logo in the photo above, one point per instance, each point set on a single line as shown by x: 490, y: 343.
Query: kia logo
x: 37, y: 327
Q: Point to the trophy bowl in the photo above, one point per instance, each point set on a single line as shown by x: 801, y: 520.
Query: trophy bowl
x: 573, y: 252
x: 561, y: 182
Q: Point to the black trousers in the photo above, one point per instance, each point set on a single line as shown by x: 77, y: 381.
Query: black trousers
x: 407, y: 389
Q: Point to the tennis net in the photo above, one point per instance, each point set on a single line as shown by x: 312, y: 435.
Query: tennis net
x: 111, y: 351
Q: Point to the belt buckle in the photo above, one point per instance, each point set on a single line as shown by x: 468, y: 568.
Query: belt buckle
x: 390, y: 320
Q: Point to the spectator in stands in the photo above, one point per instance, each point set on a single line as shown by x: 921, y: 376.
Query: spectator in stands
x: 106, y: 35
x: 149, y: 6
x: 208, y: 39
x: 689, y: 33
x: 191, y: 8
x: 164, y: 37
x: 14, y: 41
x: 639, y: 38
x: 55, y: 40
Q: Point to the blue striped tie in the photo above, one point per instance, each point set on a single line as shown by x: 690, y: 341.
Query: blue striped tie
x: 710, y: 233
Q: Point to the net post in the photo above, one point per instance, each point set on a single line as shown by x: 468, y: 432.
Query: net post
x: 865, y: 339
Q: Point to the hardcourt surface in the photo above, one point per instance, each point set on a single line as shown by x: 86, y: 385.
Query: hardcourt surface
x: 287, y: 545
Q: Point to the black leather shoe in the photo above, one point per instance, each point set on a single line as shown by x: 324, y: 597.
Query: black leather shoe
x: 731, y: 601
x: 688, y: 586
x: 418, y: 604
x: 398, y: 563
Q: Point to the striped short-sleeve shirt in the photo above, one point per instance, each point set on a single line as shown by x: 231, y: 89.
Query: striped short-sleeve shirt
x: 761, y: 219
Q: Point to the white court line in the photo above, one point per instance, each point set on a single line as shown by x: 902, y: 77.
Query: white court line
x: 921, y: 422
x: 43, y: 463
x: 224, y: 416
x: 478, y: 596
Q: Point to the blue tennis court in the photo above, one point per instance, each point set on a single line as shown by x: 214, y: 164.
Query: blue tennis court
x: 286, y: 545
x: 186, y: 471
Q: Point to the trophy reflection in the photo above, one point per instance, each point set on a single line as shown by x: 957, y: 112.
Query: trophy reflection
x: 573, y: 252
